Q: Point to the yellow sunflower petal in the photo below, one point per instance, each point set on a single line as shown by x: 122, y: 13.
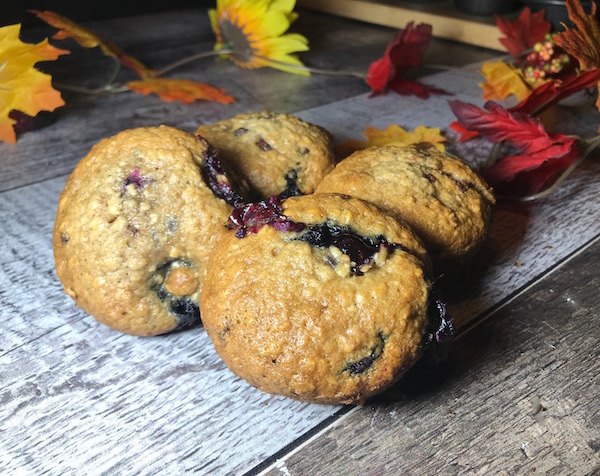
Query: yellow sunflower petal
x: 255, y: 31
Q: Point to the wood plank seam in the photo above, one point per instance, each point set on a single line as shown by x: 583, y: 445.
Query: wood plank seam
x: 522, y: 290
x: 279, y: 458
x: 277, y: 461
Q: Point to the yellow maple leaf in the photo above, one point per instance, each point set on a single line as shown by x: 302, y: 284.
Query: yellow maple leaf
x: 182, y: 90
x: 503, y: 80
x: 394, y: 135
x: 22, y: 87
x: 85, y: 38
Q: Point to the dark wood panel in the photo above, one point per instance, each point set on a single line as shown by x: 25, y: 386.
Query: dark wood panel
x: 517, y: 395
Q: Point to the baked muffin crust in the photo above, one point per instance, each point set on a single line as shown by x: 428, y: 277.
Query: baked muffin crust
x: 134, y: 227
x: 287, y: 314
x: 276, y: 153
x: 441, y: 198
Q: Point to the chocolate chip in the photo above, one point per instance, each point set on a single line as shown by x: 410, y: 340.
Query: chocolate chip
x: 263, y: 145
x: 64, y: 238
x: 303, y: 150
x: 240, y: 132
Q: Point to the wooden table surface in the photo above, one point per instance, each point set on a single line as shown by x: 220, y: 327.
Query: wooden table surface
x: 515, y: 393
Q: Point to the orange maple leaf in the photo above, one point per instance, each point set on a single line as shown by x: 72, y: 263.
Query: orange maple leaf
x: 582, y: 42
x: 22, y: 87
x: 503, y: 80
x: 85, y: 38
x: 182, y: 90
x: 393, y: 135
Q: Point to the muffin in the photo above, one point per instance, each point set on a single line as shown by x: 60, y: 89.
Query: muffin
x: 135, y: 224
x: 323, y: 298
x: 439, y: 197
x: 278, y: 154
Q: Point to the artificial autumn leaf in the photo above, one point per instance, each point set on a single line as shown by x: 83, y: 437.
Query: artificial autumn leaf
x: 22, y: 87
x: 583, y: 42
x: 182, y: 90
x: 394, y: 135
x: 550, y: 93
x: 405, y: 51
x: 524, y: 32
x: 87, y: 39
x: 464, y: 133
x: 541, y: 155
x: 503, y: 80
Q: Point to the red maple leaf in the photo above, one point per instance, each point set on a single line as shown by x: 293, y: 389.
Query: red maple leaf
x: 542, y: 98
x: 541, y: 155
x: 524, y: 32
x: 405, y: 51
x: 550, y: 93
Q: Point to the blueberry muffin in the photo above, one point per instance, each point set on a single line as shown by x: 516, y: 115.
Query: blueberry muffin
x: 323, y: 298
x: 441, y: 198
x: 135, y: 224
x: 278, y: 154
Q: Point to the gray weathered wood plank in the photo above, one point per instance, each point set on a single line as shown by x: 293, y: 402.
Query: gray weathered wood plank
x: 160, y: 39
x: 518, y: 395
x: 76, y: 394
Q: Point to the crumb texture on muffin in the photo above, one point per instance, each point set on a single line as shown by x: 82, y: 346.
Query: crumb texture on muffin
x: 277, y: 154
x: 134, y: 228
x: 286, y: 315
x: 441, y: 198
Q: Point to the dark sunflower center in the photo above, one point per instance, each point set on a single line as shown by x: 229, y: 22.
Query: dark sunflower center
x: 235, y: 39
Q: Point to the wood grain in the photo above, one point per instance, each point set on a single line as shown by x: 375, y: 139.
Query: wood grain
x: 158, y: 40
x: 518, y: 395
x: 447, y: 22
x: 75, y: 394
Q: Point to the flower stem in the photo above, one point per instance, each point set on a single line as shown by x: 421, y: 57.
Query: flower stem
x: 310, y: 69
x: 107, y: 89
x: 591, y: 145
x: 190, y: 59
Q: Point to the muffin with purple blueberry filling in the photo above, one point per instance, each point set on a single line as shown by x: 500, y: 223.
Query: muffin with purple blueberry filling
x: 440, y: 197
x: 278, y: 154
x: 135, y: 223
x: 322, y: 298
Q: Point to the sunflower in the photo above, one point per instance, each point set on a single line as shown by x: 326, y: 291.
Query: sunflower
x: 253, y: 30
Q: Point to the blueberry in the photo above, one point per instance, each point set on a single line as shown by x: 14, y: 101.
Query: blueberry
x: 187, y: 312
x: 291, y: 187
x: 263, y: 145
x: 362, y: 365
x: 181, y: 306
x: 135, y: 178
x: 216, y: 178
x: 430, y: 177
x: 253, y: 216
x: 440, y: 327
x: 360, y: 249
